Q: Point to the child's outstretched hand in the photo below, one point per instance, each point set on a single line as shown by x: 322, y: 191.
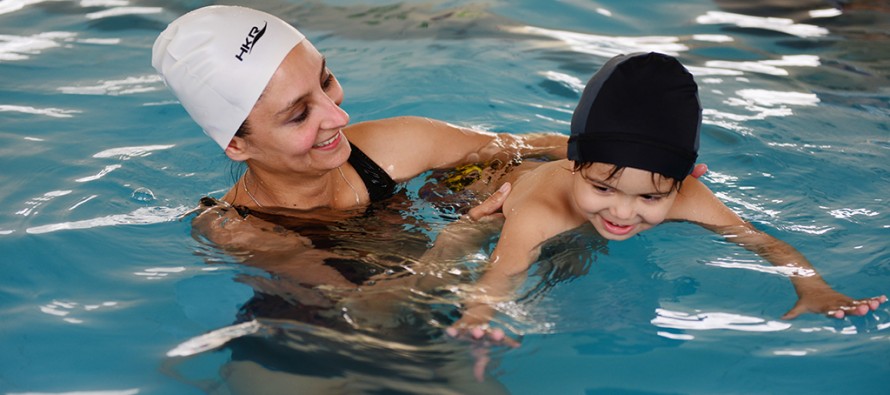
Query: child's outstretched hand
x: 474, y: 327
x: 834, y: 304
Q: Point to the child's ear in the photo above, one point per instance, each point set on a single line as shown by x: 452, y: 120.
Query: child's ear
x: 237, y: 149
x: 699, y: 170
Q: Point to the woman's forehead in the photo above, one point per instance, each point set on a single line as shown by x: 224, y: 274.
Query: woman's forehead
x: 295, y: 76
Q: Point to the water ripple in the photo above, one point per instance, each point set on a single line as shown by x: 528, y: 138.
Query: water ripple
x: 140, y: 216
x: 50, y: 112
x: 127, y: 86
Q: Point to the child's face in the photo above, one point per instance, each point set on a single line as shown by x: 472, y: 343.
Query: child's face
x: 629, y: 203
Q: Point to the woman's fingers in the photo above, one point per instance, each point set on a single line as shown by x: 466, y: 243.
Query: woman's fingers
x: 491, y: 205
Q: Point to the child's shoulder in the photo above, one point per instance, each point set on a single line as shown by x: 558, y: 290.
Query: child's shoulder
x: 697, y: 203
x: 542, y: 197
x: 547, y: 184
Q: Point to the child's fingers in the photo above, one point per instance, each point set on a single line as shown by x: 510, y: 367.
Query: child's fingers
x: 794, y: 312
x: 839, y: 313
x: 482, y: 335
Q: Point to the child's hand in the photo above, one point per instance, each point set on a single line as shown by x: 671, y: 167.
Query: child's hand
x: 474, y: 327
x: 834, y: 304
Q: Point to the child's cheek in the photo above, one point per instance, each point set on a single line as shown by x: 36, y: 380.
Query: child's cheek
x: 656, y: 216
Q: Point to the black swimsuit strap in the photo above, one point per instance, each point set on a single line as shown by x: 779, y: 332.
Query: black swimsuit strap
x: 378, y: 182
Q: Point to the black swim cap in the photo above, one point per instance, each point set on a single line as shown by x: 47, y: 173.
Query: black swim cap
x: 642, y: 111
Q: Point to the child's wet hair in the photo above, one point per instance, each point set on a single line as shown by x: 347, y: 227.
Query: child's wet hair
x: 616, y: 170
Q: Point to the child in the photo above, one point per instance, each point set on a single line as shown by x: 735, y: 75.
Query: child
x: 634, y: 141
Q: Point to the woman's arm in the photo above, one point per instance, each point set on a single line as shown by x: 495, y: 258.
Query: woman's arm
x: 264, y: 245
x: 698, y: 204
x: 408, y: 146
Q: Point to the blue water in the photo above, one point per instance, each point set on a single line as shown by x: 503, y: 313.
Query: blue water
x: 101, y: 278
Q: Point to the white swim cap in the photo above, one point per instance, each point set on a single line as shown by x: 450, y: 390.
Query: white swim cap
x: 217, y: 60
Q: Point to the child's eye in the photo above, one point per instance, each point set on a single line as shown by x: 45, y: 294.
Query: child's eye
x: 600, y: 188
x: 651, y: 198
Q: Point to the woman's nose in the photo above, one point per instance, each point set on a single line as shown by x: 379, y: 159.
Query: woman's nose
x: 334, y: 116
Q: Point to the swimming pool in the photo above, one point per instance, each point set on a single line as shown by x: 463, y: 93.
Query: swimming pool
x: 101, y: 280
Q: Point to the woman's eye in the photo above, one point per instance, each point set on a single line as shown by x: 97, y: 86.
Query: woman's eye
x: 600, y: 188
x: 301, y: 117
x: 327, y: 82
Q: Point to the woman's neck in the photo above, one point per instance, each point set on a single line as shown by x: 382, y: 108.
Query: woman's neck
x: 328, y: 189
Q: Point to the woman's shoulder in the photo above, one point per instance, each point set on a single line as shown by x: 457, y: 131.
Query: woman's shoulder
x: 382, y: 135
x: 386, y: 126
x: 403, y: 146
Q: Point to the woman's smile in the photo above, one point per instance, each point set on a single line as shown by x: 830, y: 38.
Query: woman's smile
x: 330, y: 143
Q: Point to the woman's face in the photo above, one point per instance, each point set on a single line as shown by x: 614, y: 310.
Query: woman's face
x: 622, y: 206
x: 296, y: 124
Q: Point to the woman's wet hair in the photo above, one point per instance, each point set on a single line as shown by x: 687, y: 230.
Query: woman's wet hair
x: 243, y: 130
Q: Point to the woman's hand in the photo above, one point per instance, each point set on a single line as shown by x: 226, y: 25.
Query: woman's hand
x: 490, y: 207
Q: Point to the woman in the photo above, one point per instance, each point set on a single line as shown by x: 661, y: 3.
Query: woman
x: 264, y: 94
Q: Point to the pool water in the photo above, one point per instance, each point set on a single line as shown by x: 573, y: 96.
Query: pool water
x: 105, y: 290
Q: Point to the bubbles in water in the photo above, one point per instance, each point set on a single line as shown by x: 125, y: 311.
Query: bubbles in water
x: 143, y: 195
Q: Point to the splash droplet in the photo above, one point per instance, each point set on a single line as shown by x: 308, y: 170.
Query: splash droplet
x: 143, y: 195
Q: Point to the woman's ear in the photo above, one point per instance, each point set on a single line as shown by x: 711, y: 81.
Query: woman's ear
x: 237, y: 149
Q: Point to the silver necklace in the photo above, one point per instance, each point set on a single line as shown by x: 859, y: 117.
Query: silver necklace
x: 244, y: 183
x: 357, y: 200
x: 250, y: 195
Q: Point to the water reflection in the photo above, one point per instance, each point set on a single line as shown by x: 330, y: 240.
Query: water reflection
x: 604, y: 46
x: 13, y: 48
x: 121, y: 11
x: 855, y: 48
x: 715, y: 320
x: 782, y: 25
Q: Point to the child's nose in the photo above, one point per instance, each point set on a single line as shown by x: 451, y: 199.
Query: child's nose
x: 623, y: 209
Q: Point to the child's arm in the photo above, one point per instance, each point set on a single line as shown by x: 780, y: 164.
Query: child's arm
x: 517, y: 248
x: 698, y: 204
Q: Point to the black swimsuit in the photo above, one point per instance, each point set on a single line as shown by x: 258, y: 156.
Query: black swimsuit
x: 380, y: 187
x: 379, y: 184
